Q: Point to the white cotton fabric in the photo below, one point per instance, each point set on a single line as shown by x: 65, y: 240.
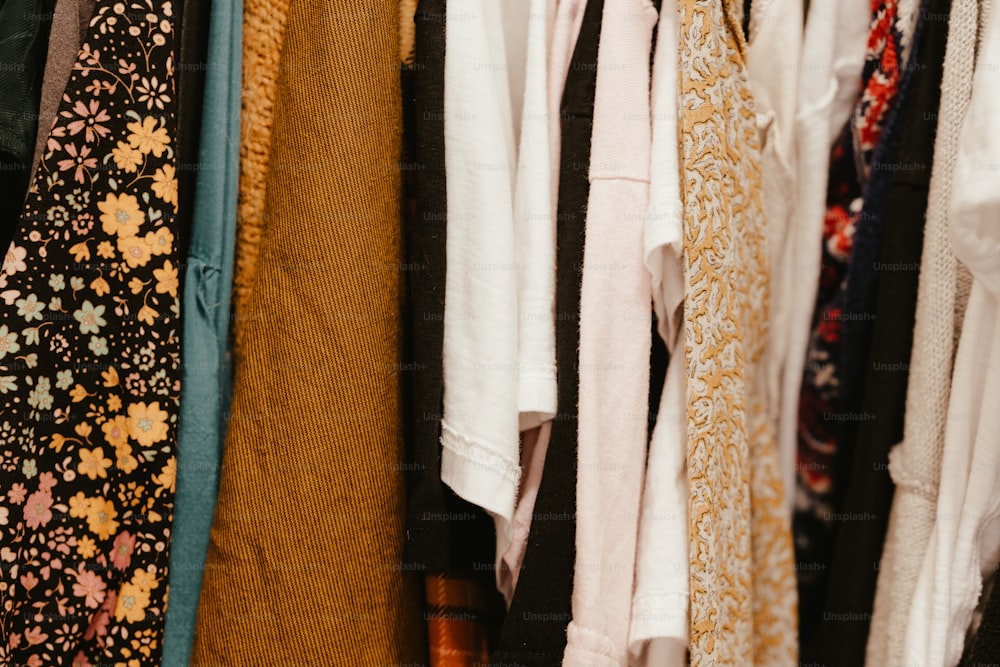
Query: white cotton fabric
x: 535, y: 231
x: 563, y: 34
x: 499, y: 331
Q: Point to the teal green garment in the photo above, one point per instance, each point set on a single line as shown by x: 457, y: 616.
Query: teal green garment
x: 207, y: 380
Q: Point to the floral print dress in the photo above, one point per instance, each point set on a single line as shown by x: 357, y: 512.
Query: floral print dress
x: 90, y: 361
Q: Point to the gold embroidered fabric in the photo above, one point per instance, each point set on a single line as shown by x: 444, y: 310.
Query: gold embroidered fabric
x: 743, y: 607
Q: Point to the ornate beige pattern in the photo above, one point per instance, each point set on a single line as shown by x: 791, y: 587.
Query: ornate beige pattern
x: 743, y: 607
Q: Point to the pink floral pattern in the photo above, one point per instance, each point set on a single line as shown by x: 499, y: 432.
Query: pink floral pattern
x: 90, y: 361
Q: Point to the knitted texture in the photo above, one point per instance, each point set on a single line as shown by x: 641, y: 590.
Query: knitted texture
x: 915, y: 464
x: 304, y: 561
x: 407, y: 30
x: 742, y: 581
x: 263, y: 35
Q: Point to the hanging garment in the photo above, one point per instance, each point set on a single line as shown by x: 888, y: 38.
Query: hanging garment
x: 479, y: 428
x: 499, y: 340
x: 207, y: 290
x: 776, y: 31
x: 964, y: 546
x: 443, y: 532
x: 90, y: 362
x: 820, y: 451
x: 742, y: 582
x: 860, y: 291
x: 535, y: 213
x: 534, y: 218
x: 864, y: 513
x: 451, y: 540
x: 534, y: 631
x: 833, y: 55
x: 915, y: 463
x: 658, y: 630
x: 310, y: 496
x: 24, y: 33
x: 614, y: 343
x: 264, y: 23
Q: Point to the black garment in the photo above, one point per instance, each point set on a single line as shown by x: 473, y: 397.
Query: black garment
x: 868, y: 489
x: 534, y: 633
x: 443, y: 532
x: 984, y: 649
x: 194, y: 19
x: 24, y: 38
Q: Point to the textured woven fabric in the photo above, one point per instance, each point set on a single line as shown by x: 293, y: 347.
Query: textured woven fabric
x: 263, y: 36
x: 304, y: 559
x: 24, y: 30
x: 90, y: 362
x: 207, y: 291
x: 965, y: 545
x: 915, y: 464
x: 742, y: 581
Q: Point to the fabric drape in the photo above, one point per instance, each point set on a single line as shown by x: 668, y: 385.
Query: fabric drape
x: 915, y: 463
x: 868, y: 493
x: 207, y: 292
x: 742, y: 579
x: 303, y: 562
x: 534, y: 630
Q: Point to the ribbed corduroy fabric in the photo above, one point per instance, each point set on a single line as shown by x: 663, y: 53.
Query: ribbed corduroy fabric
x: 263, y: 34
x: 304, y: 562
